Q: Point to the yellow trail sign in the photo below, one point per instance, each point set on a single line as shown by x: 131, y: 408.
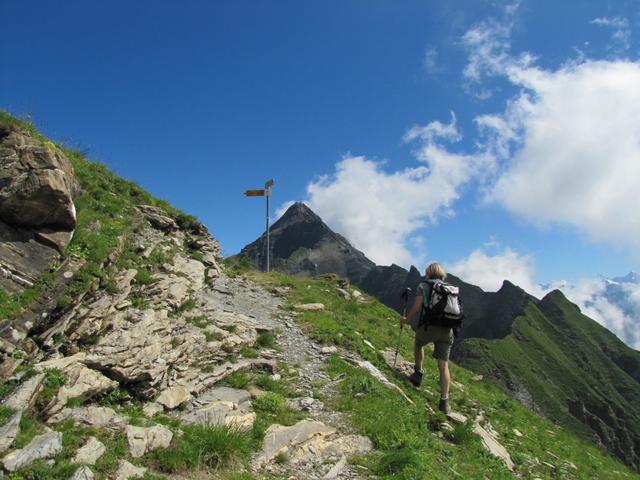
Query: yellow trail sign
x: 254, y: 193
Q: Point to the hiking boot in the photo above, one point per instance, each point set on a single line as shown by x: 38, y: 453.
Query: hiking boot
x: 416, y: 378
x: 443, y: 406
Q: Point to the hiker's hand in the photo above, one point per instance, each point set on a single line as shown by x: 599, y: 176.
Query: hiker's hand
x: 403, y: 320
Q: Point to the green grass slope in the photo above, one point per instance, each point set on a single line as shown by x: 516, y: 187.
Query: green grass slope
x: 568, y: 367
x: 410, y: 443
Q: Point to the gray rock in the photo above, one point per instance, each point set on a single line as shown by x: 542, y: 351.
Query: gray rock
x: 142, y: 440
x: 9, y: 431
x: 494, y: 447
x: 83, y: 473
x: 158, y: 218
x: 91, y: 416
x: 90, y: 452
x: 126, y: 471
x: 26, y: 394
x: 174, y: 397
x: 309, y: 307
x: 42, y: 446
x: 279, y: 438
x: 83, y: 384
x: 151, y: 408
x: 36, y: 207
x: 336, y: 469
x: 222, y: 406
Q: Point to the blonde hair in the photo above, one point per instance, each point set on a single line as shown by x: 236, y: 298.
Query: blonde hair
x: 435, y: 270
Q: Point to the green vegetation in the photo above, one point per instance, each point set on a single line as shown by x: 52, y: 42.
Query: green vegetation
x: 53, y: 380
x: 410, y: 443
x: 204, y: 447
x: 547, y: 356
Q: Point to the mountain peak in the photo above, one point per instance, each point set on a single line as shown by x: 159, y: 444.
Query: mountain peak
x: 631, y: 277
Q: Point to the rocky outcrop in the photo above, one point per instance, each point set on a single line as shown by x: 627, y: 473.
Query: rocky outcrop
x: 37, y: 215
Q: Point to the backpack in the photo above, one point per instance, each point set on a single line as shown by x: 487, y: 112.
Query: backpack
x: 444, y: 307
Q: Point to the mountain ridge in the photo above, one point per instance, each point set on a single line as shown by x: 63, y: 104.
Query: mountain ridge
x: 512, y: 323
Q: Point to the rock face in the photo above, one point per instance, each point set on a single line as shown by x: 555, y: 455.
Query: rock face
x: 301, y: 243
x: 37, y: 214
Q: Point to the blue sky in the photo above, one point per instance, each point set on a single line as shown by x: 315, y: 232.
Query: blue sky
x: 420, y: 130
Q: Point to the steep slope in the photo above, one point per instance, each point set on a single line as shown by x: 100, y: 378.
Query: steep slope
x: 301, y: 243
x: 565, y: 365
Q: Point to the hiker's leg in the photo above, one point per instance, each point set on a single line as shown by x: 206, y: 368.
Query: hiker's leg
x: 418, y: 353
x: 445, y: 378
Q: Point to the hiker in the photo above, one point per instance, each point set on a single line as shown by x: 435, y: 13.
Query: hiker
x: 441, y: 337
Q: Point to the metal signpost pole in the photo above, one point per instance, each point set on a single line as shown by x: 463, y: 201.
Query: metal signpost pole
x: 263, y: 193
x: 267, y: 193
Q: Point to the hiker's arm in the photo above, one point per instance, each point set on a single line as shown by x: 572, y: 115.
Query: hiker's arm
x: 417, y: 305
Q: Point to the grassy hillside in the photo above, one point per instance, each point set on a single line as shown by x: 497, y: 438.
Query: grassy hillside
x: 562, y: 363
x: 410, y: 442
x: 407, y: 437
x: 105, y: 210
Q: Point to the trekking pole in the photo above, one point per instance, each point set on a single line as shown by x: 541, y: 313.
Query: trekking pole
x: 405, y: 297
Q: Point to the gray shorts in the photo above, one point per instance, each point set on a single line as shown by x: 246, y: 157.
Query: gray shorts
x: 441, y: 337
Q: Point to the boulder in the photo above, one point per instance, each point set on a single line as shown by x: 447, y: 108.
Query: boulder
x: 142, y: 440
x: 37, y: 214
x: 173, y: 397
x: 90, y: 452
x: 42, y: 446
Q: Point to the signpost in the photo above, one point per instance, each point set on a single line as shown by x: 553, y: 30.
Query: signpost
x: 263, y: 193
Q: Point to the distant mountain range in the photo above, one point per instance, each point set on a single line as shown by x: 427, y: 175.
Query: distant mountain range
x: 613, y: 302
x: 546, y: 353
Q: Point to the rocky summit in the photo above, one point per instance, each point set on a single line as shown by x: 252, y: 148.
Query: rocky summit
x: 302, y: 244
x: 137, y: 352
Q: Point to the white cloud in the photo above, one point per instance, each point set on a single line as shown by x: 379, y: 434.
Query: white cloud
x: 380, y: 211
x: 618, y: 312
x: 489, y: 271
x: 567, y: 145
x: 621, y: 36
x: 430, y: 61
